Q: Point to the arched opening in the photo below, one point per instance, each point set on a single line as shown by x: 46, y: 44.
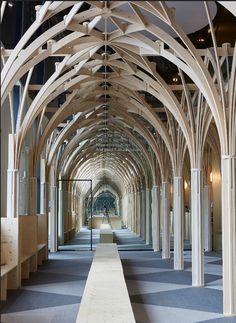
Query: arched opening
x: 103, y: 200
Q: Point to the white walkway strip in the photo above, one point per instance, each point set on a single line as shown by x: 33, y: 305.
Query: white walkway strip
x: 106, y: 297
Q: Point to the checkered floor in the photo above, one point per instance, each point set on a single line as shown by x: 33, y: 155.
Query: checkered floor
x: 157, y: 292
x: 160, y: 294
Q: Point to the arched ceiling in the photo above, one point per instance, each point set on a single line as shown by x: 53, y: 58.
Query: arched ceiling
x: 104, y: 126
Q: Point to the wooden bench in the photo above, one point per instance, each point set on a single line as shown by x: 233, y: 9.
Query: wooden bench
x: 28, y: 245
x: 42, y: 251
x: 9, y: 255
x: 8, y: 279
x: 30, y: 262
x: 105, y: 298
x: 30, y: 232
x: 28, y: 265
x: 25, y: 266
x: 106, y: 233
x: 8, y: 270
x: 42, y: 237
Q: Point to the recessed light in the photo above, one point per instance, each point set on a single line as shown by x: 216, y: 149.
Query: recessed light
x: 10, y: 4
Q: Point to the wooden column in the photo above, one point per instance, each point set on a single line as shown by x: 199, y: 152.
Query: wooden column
x: 148, y: 216
x: 228, y: 168
x: 42, y: 188
x: 166, y: 221
x: 156, y: 218
x: 12, y: 180
x: 178, y: 223
x: 197, y: 234
x: 207, y: 219
x: 143, y: 214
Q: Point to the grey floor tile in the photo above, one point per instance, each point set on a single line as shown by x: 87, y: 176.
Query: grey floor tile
x: 58, y: 314
x: 23, y: 300
x: 202, y: 299
x: 174, y: 277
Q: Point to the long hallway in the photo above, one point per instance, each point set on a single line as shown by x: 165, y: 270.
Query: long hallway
x: 157, y: 292
x: 118, y: 136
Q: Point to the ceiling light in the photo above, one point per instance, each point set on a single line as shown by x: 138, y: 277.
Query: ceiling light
x: 211, y: 177
x: 185, y: 185
x: 175, y: 79
x: 10, y: 4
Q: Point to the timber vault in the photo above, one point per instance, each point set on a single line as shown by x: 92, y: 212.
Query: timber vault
x: 133, y: 102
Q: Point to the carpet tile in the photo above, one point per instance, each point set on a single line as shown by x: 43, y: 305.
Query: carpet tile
x: 23, y: 300
x: 158, y: 293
